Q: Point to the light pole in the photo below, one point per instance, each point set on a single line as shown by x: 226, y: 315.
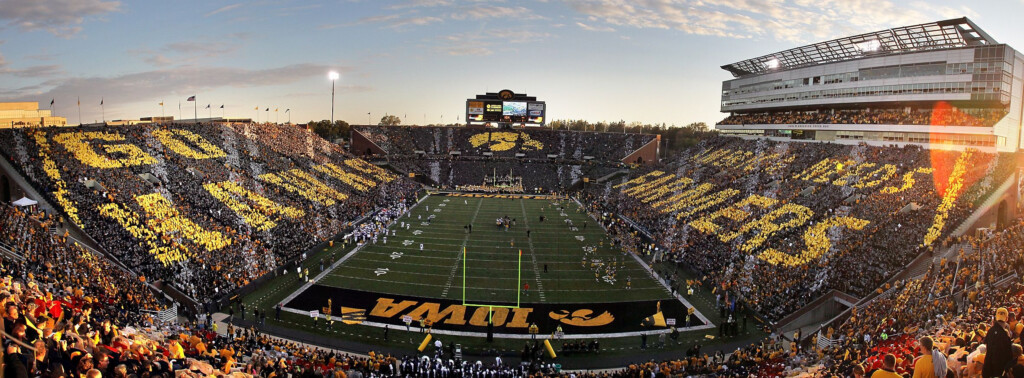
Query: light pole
x: 333, y: 76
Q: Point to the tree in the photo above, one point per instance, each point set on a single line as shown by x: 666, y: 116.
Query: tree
x: 699, y: 127
x: 390, y: 120
x: 328, y: 131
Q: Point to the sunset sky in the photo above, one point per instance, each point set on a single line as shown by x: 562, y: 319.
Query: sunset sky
x: 653, y: 61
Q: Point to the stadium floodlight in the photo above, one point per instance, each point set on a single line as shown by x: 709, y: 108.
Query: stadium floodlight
x: 772, y: 64
x: 333, y: 75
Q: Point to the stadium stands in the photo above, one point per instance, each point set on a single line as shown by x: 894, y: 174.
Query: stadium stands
x: 546, y: 160
x: 946, y: 116
x: 54, y: 289
x: 193, y: 205
x: 778, y: 265
x: 533, y: 143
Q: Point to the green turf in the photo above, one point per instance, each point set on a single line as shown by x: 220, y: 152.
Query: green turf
x: 555, y: 239
x: 491, y: 271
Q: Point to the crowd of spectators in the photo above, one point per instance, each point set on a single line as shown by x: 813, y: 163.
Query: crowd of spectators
x: 533, y: 143
x: 940, y: 116
x: 546, y: 160
x: 538, y: 175
x: 858, y: 260
x: 222, y: 249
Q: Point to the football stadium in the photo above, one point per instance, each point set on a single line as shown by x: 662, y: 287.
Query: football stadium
x: 854, y: 211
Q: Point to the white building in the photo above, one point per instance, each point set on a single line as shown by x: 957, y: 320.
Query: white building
x: 945, y: 84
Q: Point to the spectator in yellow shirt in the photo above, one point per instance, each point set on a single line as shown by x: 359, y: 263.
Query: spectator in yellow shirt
x: 923, y: 367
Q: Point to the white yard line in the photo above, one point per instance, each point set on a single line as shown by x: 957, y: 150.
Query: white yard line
x: 458, y: 259
x: 533, y: 256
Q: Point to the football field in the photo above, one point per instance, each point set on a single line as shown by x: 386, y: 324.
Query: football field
x: 466, y: 263
x: 432, y: 253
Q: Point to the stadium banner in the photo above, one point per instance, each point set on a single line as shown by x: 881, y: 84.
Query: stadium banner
x: 447, y: 314
x: 536, y: 106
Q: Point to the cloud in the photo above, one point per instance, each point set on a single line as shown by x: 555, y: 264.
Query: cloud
x: 178, y: 81
x: 223, y: 9
x: 186, y: 52
x: 784, y: 20
x: 363, y: 21
x: 475, y: 51
x: 42, y: 71
x: 59, y: 17
x: 595, y: 28
x: 414, y: 21
x: 45, y: 71
x: 421, y: 4
x: 481, y: 12
x: 484, y: 43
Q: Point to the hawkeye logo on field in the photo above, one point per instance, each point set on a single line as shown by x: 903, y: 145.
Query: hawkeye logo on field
x: 459, y: 315
x: 582, y: 318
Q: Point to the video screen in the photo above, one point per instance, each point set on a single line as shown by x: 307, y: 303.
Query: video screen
x: 514, y: 109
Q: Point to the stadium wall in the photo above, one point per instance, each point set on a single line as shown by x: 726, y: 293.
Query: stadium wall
x: 362, y: 146
x: 648, y: 154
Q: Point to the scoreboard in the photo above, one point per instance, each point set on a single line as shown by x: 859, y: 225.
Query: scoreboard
x: 505, y: 107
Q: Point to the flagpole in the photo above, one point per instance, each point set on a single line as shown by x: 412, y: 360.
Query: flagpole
x: 195, y: 109
x: 103, y: 111
x: 161, y: 108
x: 79, y: 111
x: 179, y: 110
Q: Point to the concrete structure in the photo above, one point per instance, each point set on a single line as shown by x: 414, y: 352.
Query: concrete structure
x: 27, y: 114
x: 915, y: 72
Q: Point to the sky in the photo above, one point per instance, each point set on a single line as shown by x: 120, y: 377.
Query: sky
x: 650, y: 61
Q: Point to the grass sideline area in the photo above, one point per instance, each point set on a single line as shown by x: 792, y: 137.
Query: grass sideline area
x: 492, y: 254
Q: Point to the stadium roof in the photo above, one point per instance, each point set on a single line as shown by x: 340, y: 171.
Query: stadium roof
x: 948, y: 34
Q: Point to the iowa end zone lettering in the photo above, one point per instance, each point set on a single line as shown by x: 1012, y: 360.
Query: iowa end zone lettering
x: 590, y: 318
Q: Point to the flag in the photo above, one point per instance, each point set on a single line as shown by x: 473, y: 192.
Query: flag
x: 287, y: 110
x: 222, y: 106
x: 191, y: 98
x: 161, y: 103
x: 79, y: 101
x: 256, y: 108
x: 268, y: 109
x: 276, y: 109
x: 207, y: 106
x: 101, y: 101
x: 51, y: 102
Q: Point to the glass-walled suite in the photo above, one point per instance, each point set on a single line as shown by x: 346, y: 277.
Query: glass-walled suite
x: 980, y: 91
x: 990, y: 80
